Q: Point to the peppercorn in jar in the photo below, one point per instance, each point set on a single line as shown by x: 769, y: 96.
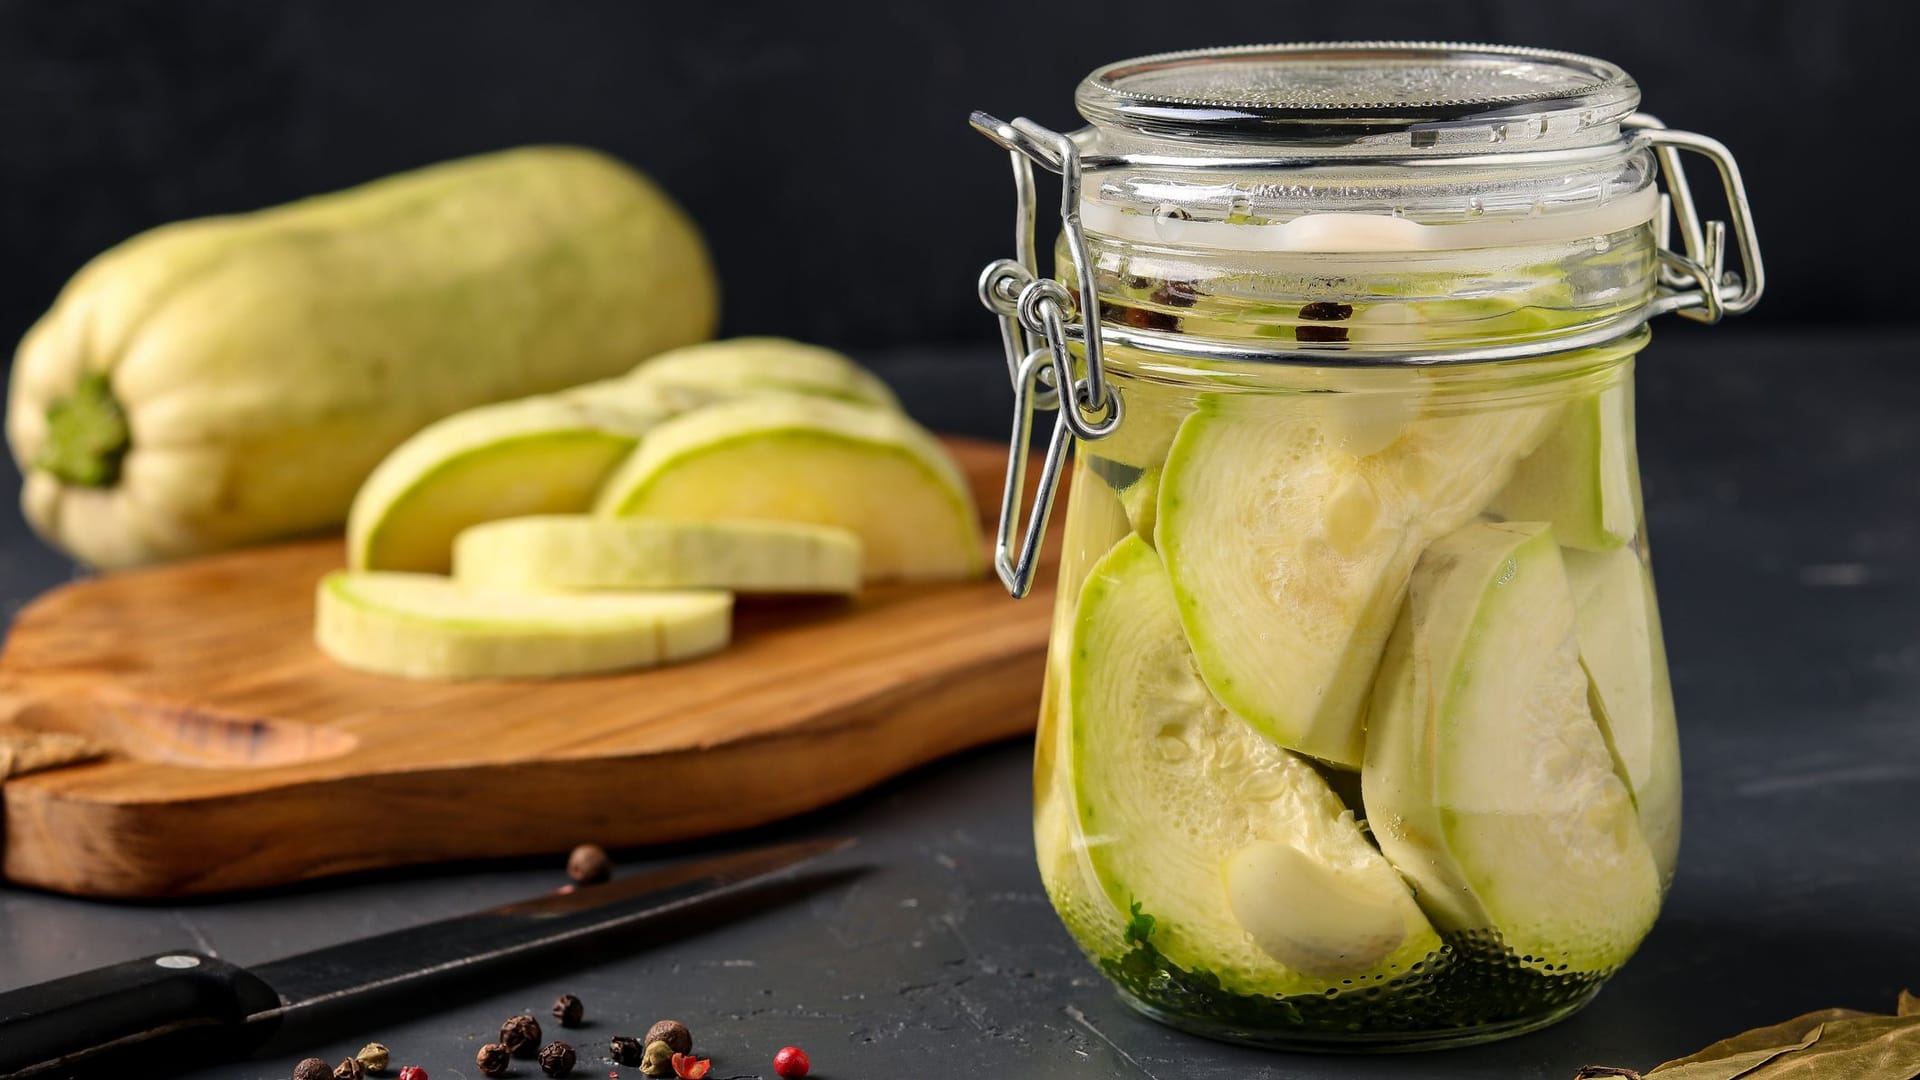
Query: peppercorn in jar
x: 1357, y: 731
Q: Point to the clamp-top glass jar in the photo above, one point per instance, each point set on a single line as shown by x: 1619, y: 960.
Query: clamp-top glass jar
x: 1357, y: 731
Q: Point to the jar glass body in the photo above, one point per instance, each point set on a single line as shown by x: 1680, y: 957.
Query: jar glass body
x: 1357, y: 731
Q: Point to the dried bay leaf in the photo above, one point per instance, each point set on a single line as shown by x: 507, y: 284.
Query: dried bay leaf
x: 1733, y: 1066
x: 1873, y: 1048
x: 1784, y: 1033
x: 1831, y: 1044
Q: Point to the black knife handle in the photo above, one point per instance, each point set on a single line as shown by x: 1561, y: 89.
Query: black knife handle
x: 50, y: 1028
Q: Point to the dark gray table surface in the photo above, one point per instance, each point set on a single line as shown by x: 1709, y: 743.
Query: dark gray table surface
x: 1782, y: 475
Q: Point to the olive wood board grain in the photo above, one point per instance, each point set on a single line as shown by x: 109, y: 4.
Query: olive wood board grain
x: 242, y: 757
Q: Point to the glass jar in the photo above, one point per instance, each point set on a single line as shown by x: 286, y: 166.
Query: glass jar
x: 1357, y: 732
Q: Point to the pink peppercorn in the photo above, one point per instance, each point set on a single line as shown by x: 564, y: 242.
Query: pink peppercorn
x: 791, y: 1062
x: 413, y: 1072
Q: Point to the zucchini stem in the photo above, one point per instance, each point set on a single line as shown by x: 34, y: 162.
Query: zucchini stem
x: 87, y: 436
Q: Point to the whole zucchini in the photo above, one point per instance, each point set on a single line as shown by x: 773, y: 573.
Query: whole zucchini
x: 227, y: 380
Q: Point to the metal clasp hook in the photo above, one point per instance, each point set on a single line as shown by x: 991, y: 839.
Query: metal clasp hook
x: 1696, y: 283
x: 1033, y: 308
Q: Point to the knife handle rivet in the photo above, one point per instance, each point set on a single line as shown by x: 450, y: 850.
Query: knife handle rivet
x: 178, y: 962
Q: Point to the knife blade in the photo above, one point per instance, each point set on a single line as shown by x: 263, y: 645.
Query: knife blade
x: 64, y: 1023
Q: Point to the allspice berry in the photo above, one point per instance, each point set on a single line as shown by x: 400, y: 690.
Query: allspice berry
x: 568, y: 1010
x: 673, y: 1033
x: 658, y: 1060
x: 522, y: 1035
x: 313, y: 1069
x: 493, y: 1059
x: 374, y: 1057
x: 350, y: 1069
x: 626, y: 1050
x: 589, y: 865
x: 556, y: 1059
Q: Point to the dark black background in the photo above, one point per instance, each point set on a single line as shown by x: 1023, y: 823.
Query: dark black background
x: 823, y: 147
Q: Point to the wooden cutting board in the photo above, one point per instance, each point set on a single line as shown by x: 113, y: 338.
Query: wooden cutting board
x: 242, y: 757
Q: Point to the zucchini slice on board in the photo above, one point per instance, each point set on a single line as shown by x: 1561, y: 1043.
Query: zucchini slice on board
x: 585, y: 551
x: 786, y: 457
x: 424, y: 626
x: 542, y: 455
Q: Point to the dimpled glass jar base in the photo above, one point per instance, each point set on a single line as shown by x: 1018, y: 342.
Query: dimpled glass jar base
x: 1357, y: 1039
x: 1472, y: 987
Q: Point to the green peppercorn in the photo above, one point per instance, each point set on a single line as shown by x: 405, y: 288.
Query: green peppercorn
x: 350, y: 1069
x: 658, y: 1060
x: 374, y: 1057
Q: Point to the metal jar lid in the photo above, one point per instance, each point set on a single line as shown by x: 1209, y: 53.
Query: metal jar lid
x: 1362, y: 94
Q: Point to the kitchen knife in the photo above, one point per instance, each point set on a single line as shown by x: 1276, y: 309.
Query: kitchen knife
x: 55, y: 1026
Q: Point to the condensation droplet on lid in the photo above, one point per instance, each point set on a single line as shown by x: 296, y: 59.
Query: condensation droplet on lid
x: 1498, y: 133
x: 1239, y: 208
x: 1476, y: 207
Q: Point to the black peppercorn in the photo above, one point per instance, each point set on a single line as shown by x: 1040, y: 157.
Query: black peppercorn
x: 313, y: 1069
x: 350, y: 1069
x: 1138, y: 318
x: 1326, y: 311
x: 1323, y: 311
x: 673, y: 1033
x: 493, y: 1059
x: 521, y: 1034
x: 626, y: 1050
x: 568, y: 1011
x: 1174, y: 293
x: 556, y: 1059
x: 589, y: 865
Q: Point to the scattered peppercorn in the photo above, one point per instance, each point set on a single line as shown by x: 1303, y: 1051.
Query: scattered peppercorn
x: 791, y: 1062
x: 350, y: 1069
x: 658, y: 1060
x: 673, y: 1033
x: 589, y: 865
x: 374, y: 1057
x: 557, y: 1058
x: 626, y: 1050
x: 568, y: 1011
x: 312, y: 1069
x: 688, y: 1067
x: 412, y: 1072
x: 493, y: 1059
x: 521, y: 1034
